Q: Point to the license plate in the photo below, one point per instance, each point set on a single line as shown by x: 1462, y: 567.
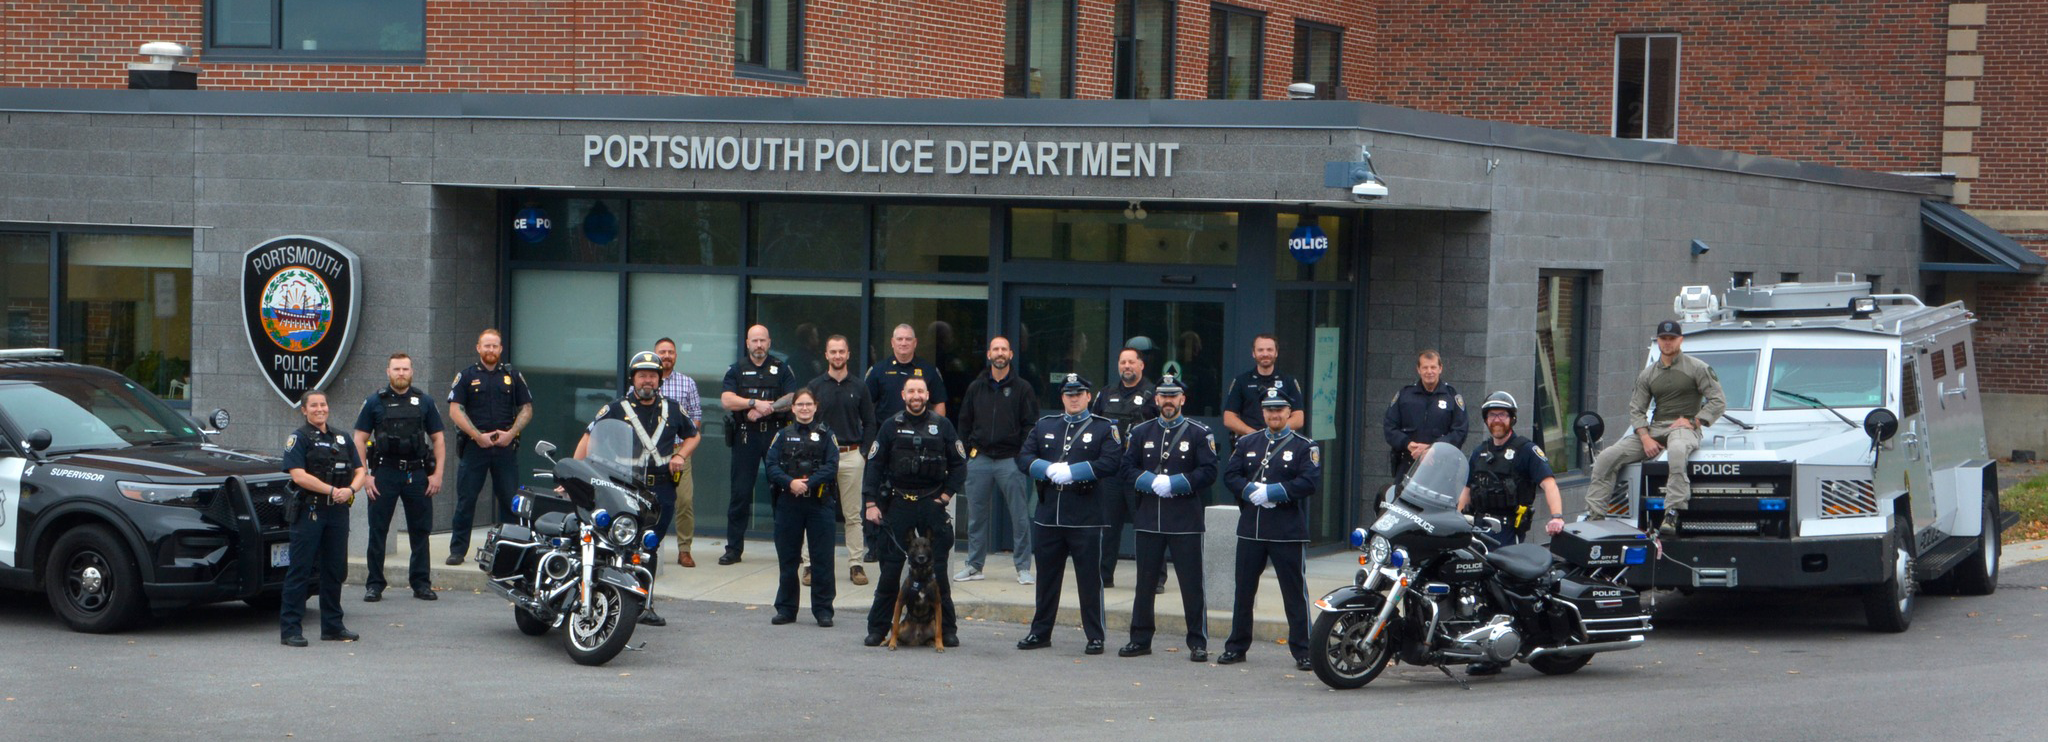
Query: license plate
x: 281, y: 554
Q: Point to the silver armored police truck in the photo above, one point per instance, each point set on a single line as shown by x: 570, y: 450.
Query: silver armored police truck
x: 1852, y: 453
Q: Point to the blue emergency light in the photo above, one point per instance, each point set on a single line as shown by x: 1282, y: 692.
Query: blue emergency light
x: 1771, y: 504
x: 1635, y: 555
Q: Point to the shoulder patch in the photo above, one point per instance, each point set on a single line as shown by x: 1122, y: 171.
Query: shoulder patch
x: 960, y: 448
x: 1315, y: 455
x: 291, y: 441
x: 1538, y: 450
x: 1116, y: 436
x: 1459, y: 400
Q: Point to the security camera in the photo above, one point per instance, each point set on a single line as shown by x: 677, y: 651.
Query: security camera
x: 1369, y: 190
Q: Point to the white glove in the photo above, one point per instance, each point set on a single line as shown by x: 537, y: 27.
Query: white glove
x: 1162, y: 486
x: 1269, y: 504
x: 1259, y: 498
x: 1060, y: 473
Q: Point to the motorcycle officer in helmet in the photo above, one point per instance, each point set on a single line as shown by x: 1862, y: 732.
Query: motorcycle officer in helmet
x: 1507, y: 471
x: 667, y: 437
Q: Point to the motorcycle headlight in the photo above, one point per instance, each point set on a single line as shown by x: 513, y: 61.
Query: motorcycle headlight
x: 625, y: 530
x: 182, y: 495
x: 1380, y: 549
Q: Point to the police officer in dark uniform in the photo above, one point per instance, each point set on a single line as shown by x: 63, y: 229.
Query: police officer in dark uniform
x: 326, y: 474
x: 885, y: 379
x: 490, y: 404
x: 663, y: 429
x: 756, y: 395
x: 1242, y: 410
x: 1169, y: 461
x: 1507, y: 471
x: 1273, y: 474
x: 399, y: 433
x: 915, y: 466
x: 1068, y: 454
x: 1125, y: 403
x: 1423, y: 413
x: 803, y: 472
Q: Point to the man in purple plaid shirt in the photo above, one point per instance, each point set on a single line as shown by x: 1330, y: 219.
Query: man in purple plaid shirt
x: 680, y: 387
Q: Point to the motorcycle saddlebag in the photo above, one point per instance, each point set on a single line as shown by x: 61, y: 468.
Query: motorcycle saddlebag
x: 508, y: 550
x: 1606, y: 611
x: 1601, y: 543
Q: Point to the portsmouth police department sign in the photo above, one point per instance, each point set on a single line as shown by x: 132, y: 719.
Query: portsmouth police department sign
x: 299, y: 299
x: 1090, y: 159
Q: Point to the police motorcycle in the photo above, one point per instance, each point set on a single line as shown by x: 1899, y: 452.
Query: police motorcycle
x: 1434, y: 591
x: 582, y: 565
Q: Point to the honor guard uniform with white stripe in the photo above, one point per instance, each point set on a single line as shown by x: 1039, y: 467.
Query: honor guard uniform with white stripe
x: 1125, y: 403
x: 1421, y: 414
x: 326, y: 474
x: 661, y: 426
x: 764, y: 385
x: 1169, y: 462
x: 915, y: 466
x: 1068, y: 454
x: 1273, y: 473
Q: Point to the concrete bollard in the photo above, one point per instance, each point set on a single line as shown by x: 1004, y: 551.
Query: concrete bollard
x: 1219, y: 558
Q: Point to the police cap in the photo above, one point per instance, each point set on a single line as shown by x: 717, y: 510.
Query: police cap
x: 1275, y: 399
x: 1075, y: 385
x: 1669, y: 327
x: 1169, y: 385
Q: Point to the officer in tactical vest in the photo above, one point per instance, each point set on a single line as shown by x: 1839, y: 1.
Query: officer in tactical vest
x: 915, y: 466
x: 326, y: 474
x: 1169, y: 461
x: 1125, y: 403
x: 667, y: 437
x: 399, y: 433
x: 803, y: 474
x: 756, y: 395
x: 1068, y: 455
x: 1273, y: 473
x: 1507, y: 471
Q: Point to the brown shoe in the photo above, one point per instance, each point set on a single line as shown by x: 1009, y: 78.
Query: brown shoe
x: 683, y: 559
x: 858, y: 575
x: 807, y: 577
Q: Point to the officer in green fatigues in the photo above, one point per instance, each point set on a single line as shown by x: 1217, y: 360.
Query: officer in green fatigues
x: 1674, y: 398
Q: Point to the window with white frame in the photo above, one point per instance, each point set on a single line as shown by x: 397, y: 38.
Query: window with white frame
x: 1646, y: 87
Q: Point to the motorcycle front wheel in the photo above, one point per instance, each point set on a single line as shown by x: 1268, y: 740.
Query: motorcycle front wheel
x: 1340, y: 654
x: 597, y: 638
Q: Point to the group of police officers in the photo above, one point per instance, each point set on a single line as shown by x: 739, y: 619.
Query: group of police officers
x: 1126, y: 455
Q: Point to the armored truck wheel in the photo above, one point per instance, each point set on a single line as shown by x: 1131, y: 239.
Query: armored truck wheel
x: 1978, y: 575
x: 1888, y: 605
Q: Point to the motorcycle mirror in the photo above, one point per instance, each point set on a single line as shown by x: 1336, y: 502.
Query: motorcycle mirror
x: 1590, y: 427
x: 544, y: 448
x: 1880, y: 425
x: 38, y: 439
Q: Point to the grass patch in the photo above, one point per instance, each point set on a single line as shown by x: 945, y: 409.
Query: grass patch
x: 2030, y: 500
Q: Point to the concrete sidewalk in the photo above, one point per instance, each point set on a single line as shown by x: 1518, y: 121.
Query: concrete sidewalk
x: 753, y: 582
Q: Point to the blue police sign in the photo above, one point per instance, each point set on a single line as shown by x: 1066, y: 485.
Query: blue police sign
x: 1308, y: 243
x: 532, y: 224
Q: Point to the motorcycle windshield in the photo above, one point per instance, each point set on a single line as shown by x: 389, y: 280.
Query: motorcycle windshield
x: 1437, y: 478
x: 615, y: 449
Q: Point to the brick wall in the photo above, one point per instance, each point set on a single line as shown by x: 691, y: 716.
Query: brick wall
x: 852, y: 48
x: 2013, y: 140
x: 1856, y: 83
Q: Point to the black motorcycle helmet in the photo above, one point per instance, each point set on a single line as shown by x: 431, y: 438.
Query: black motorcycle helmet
x: 1499, y: 401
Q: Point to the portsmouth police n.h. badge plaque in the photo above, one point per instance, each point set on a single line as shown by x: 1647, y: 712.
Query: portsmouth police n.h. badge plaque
x: 299, y: 301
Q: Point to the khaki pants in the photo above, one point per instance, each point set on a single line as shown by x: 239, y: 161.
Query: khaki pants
x: 686, y: 511
x: 852, y: 467
x: 1680, y: 443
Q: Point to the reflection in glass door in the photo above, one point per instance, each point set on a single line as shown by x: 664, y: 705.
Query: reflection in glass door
x: 1169, y: 336
x: 1056, y: 335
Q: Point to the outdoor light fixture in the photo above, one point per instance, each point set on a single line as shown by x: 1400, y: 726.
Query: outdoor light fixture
x: 1134, y: 212
x: 1699, y: 248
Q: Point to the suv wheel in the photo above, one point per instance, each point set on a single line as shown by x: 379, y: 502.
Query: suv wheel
x: 92, y: 582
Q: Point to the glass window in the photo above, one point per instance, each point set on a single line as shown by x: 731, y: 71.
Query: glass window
x: 370, y: 28
x: 585, y: 231
x: 1646, y: 87
x: 670, y: 232
x: 1318, y: 57
x: 1059, y: 335
x: 25, y: 289
x: 128, y: 307
x: 1737, y: 371
x: 87, y: 412
x: 1335, y: 265
x: 799, y: 316
x: 1835, y: 378
x: 1168, y: 336
x: 932, y: 239
x: 1190, y: 237
x: 1315, y: 342
x: 810, y: 236
x: 700, y: 313
x: 1562, y: 329
x: 567, y: 350
x: 768, y: 34
x: 1144, y: 49
x: 951, y: 321
x: 1236, y: 43
x: 1038, y: 56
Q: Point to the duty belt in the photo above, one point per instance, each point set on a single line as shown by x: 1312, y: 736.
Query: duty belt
x: 406, y: 465
x: 914, y: 495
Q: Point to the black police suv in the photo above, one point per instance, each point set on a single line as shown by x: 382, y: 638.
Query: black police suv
x: 114, y: 505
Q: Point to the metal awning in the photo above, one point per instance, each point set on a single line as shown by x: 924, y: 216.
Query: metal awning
x: 2001, y: 253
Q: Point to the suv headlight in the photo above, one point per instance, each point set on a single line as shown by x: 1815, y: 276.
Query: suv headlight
x: 182, y: 495
x: 624, y: 531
